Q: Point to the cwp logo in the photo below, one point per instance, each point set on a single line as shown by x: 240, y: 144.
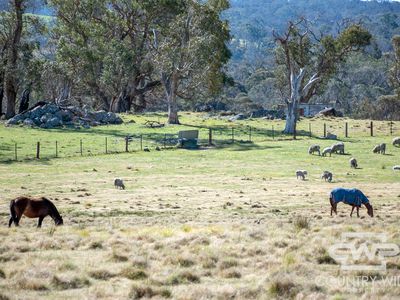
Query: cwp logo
x: 363, y: 251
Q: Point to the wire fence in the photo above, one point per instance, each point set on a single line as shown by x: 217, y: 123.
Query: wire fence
x: 89, y: 145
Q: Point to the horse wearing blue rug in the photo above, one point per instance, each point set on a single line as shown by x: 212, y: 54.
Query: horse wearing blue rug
x: 352, y: 197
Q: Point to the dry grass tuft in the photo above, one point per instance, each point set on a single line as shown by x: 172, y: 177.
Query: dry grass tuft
x: 282, y: 288
x: 183, y: 278
x: 301, y: 222
x: 2, y: 274
x: 101, y: 274
x: 133, y: 273
x: 32, y: 284
x: 231, y: 274
x: 96, y: 245
x: 62, y: 283
x: 228, y: 263
x: 119, y: 257
x: 4, y: 297
x: 138, y: 292
x: 323, y: 257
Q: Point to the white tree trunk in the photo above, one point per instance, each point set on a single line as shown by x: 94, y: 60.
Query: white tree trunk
x: 170, y: 86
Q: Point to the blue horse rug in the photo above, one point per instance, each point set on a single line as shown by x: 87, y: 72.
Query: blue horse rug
x: 349, y: 196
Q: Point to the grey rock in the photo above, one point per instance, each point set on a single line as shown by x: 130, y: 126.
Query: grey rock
x: 28, y: 122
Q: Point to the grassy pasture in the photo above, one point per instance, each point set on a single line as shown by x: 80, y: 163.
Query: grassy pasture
x: 224, y: 222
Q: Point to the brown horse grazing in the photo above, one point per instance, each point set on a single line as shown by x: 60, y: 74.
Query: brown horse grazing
x: 353, y: 197
x: 33, y: 208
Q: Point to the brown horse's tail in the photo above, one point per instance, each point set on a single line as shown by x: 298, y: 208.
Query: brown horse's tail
x: 12, y: 211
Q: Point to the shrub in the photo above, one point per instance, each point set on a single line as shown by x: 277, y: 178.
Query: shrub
x: 301, y: 222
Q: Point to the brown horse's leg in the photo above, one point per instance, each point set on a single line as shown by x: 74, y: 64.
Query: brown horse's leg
x: 352, y: 209
x: 10, y: 222
x: 358, y: 209
x: 40, y: 222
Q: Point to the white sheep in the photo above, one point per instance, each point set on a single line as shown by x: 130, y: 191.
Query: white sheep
x: 396, y: 141
x: 119, y: 183
x: 326, y: 151
x: 353, y: 163
x: 339, y: 147
x: 327, y: 176
x: 396, y: 168
x: 314, y: 148
x: 301, y: 173
x: 381, y: 148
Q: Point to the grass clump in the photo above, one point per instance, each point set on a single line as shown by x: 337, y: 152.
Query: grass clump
x: 101, y: 274
x: 133, y: 273
x: 61, y: 283
x: 2, y: 274
x: 228, y: 263
x: 139, y: 292
x: 96, y: 245
x: 282, y: 288
x: 183, y: 278
x: 4, y: 297
x: 301, y: 222
x: 323, y: 257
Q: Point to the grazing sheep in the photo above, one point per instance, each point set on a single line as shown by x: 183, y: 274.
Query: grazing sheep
x: 327, y: 176
x: 353, y: 163
x: 338, y: 148
x: 119, y: 183
x: 326, y: 151
x: 381, y: 148
x: 301, y: 173
x: 396, y: 168
x: 314, y: 148
x: 396, y: 141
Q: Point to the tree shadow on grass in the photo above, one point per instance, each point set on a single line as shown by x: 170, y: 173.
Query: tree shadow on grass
x: 242, y: 146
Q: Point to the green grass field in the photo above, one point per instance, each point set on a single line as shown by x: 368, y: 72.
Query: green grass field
x: 230, y: 221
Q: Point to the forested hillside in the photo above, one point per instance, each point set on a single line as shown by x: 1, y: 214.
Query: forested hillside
x: 360, y: 81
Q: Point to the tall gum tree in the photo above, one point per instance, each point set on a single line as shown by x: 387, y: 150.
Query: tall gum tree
x: 10, y: 80
x: 308, y: 61
x: 190, y: 50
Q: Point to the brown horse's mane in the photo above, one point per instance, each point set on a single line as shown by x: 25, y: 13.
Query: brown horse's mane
x: 54, y: 210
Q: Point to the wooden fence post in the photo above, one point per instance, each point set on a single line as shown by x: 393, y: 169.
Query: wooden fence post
x: 15, y: 152
x: 346, y: 130
x: 372, y: 128
x: 56, y: 149
x: 38, y: 150
x: 81, y: 147
x: 324, y: 130
x: 126, y: 144
x: 233, y: 135
x: 391, y: 127
x: 309, y: 129
x: 141, y: 142
x: 106, y: 144
x: 209, y: 137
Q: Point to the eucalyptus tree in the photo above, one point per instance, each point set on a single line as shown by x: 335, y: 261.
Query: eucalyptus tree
x: 190, y: 49
x: 11, y: 55
x: 104, y: 48
x: 306, y: 61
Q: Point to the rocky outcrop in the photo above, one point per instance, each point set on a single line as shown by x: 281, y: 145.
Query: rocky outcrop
x: 50, y: 115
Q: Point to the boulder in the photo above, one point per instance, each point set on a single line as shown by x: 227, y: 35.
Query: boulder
x: 237, y: 117
x: 28, y: 122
